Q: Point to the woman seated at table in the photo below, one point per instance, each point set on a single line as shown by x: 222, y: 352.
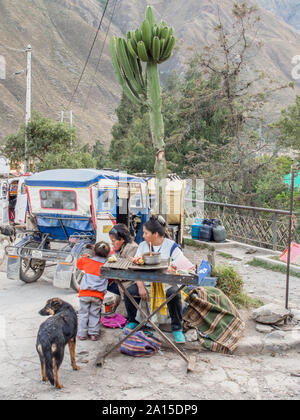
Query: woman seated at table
x: 155, y: 234
x: 122, y: 241
x: 124, y: 247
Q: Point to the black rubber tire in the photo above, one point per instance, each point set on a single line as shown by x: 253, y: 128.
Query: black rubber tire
x: 75, y: 280
x: 35, y: 266
x: 77, y: 276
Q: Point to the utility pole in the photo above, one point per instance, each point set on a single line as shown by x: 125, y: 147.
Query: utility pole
x: 62, y: 118
x: 28, y: 101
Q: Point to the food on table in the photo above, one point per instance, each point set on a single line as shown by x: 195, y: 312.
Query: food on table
x: 138, y: 261
x: 112, y: 259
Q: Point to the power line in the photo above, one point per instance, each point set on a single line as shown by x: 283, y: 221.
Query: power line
x: 101, y: 52
x: 89, y: 54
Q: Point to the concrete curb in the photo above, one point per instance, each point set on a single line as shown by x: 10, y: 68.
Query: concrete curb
x: 277, y: 263
x: 277, y: 341
x: 231, y: 243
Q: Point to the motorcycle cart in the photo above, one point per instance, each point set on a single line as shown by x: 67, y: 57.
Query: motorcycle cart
x: 174, y: 201
x: 13, y: 201
x: 69, y: 210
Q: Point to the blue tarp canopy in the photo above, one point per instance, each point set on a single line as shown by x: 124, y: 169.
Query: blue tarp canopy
x: 77, y: 177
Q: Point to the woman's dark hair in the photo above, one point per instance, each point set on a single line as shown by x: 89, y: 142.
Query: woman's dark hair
x: 102, y: 249
x: 121, y: 231
x: 157, y: 224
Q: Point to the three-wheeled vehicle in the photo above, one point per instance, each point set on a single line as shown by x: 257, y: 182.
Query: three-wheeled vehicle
x: 70, y: 209
x: 13, y: 200
x: 174, y: 202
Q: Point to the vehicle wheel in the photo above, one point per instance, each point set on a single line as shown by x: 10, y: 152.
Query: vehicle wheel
x: 3, y: 243
x: 76, y: 279
x: 31, y: 269
x: 77, y: 276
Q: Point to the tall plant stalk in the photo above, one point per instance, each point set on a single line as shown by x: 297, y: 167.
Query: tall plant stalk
x: 157, y: 132
x: 153, y: 44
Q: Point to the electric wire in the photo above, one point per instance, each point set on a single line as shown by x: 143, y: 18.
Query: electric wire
x: 100, y: 56
x: 86, y: 62
x: 89, y: 54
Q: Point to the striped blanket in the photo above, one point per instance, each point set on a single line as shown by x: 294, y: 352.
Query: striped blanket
x: 215, y: 317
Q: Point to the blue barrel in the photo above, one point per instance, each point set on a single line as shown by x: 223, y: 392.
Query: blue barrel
x: 196, y: 227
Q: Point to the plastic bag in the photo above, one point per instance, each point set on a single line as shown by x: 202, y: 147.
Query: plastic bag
x: 113, y: 321
x: 204, y: 270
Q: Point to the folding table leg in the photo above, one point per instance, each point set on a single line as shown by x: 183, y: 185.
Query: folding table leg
x: 190, y: 361
x: 147, y: 318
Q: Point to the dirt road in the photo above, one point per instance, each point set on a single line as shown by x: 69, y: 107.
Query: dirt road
x: 160, y: 377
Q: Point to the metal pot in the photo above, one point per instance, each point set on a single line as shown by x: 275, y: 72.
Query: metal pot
x: 153, y: 259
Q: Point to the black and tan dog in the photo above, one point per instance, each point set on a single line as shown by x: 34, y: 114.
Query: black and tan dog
x: 53, y: 335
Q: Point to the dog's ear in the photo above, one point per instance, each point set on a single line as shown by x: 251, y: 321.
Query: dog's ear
x: 56, y: 303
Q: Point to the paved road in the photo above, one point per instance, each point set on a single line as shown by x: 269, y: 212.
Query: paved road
x: 160, y: 377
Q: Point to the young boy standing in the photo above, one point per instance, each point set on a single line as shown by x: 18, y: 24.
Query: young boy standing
x: 91, y: 292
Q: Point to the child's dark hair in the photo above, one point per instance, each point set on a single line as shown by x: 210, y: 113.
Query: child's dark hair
x: 157, y: 224
x: 120, y: 231
x: 102, y: 249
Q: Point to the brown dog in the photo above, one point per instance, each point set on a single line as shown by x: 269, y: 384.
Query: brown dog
x: 53, y: 335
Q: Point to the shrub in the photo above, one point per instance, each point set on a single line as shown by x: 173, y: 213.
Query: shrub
x: 231, y: 283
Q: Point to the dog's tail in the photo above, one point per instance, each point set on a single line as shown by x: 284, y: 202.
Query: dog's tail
x: 47, y: 351
x: 53, y: 355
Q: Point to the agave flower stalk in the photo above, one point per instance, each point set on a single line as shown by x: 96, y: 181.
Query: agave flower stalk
x: 153, y: 44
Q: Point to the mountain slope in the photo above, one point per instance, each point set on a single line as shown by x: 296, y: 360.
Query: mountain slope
x: 287, y: 10
x: 61, y: 33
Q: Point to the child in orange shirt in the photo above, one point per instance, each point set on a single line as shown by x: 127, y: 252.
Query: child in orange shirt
x: 91, y: 292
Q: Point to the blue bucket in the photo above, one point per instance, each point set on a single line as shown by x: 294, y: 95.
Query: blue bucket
x: 196, y: 228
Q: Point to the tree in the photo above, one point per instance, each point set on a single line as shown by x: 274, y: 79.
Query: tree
x: 66, y: 159
x: 131, y: 135
x: 229, y: 168
x: 48, y: 145
x: 194, y: 115
x: 289, y: 126
x: 100, y: 155
x: 269, y: 187
x: 152, y: 44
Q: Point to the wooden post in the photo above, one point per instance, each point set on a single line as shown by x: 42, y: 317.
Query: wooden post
x: 275, y: 231
x: 293, y: 167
